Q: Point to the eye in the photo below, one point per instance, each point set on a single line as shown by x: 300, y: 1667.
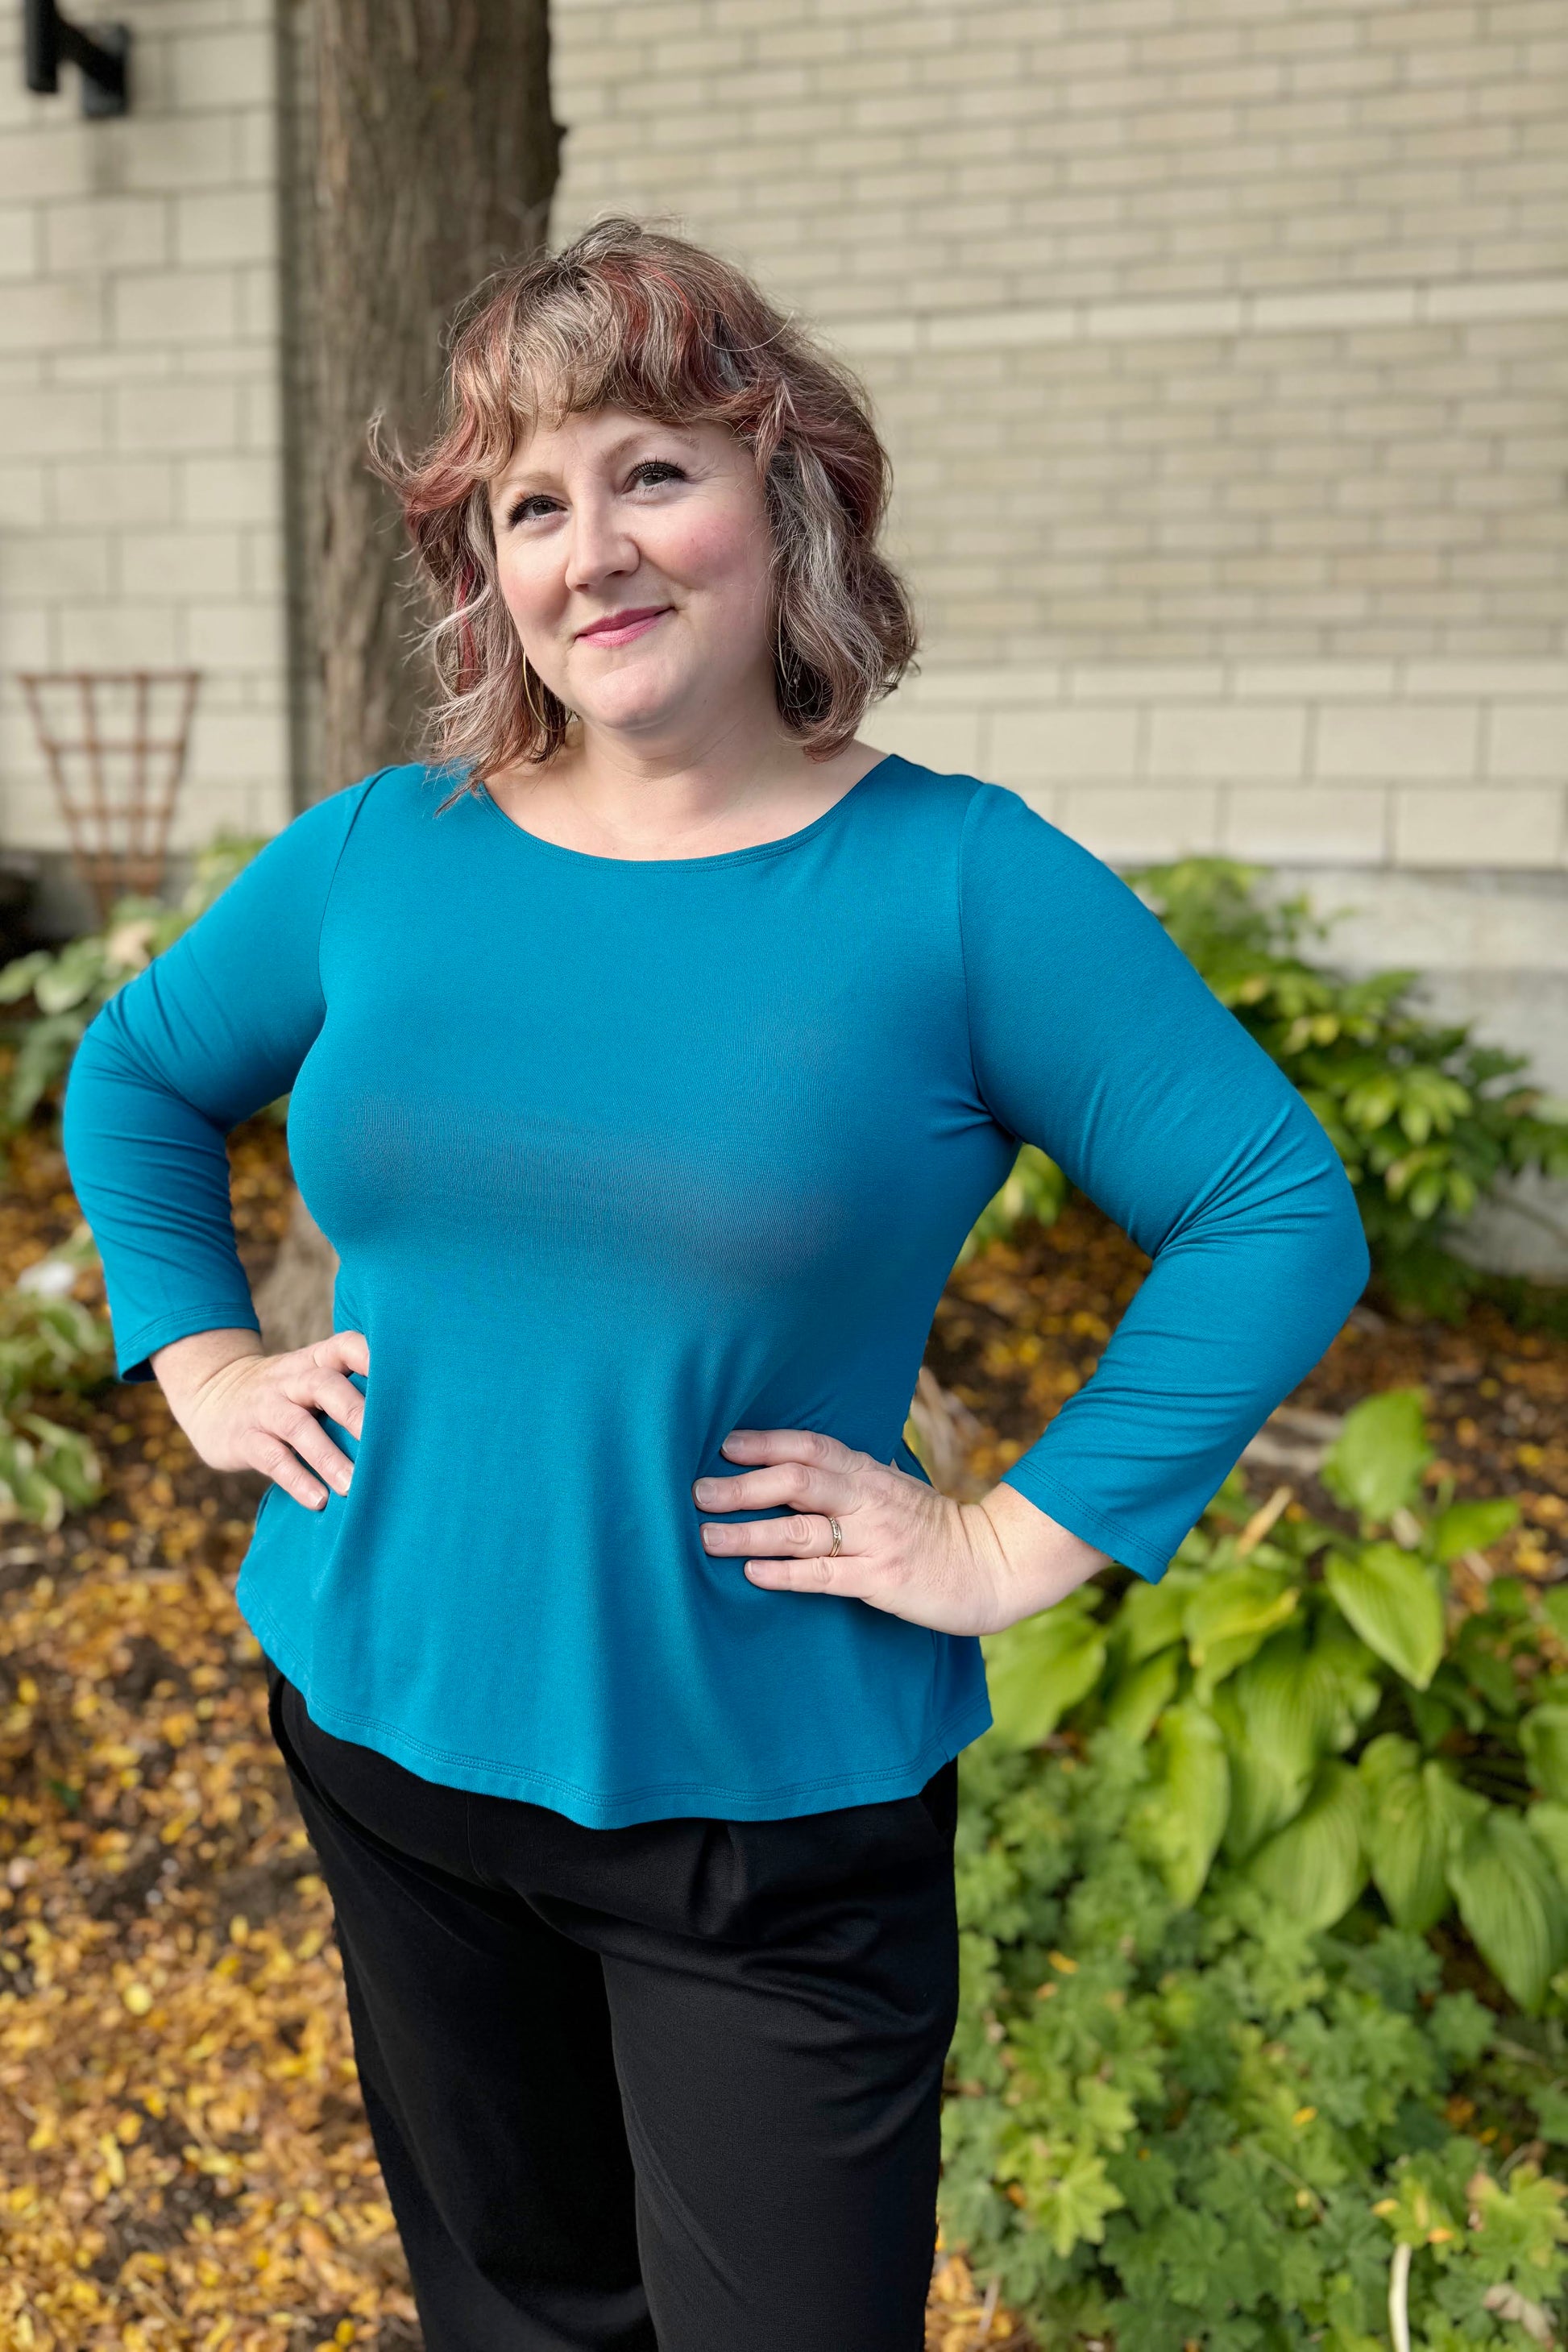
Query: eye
x: 653, y: 471
x: 529, y: 509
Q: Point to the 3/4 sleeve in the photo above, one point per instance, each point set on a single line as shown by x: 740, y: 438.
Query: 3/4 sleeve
x: 214, y: 1028
x: 1093, y: 1037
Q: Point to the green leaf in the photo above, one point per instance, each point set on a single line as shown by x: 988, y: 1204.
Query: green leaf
x: 1231, y: 1615
x: 1040, y: 1667
x: 1283, y: 1712
x: 1150, y: 1617
x: 1141, y: 1694
x: 1510, y: 1901
x: 1179, y: 1823
x: 1391, y: 1598
x: 1375, y: 1465
x: 1473, y: 1527
x: 1543, y: 1736
x: 1412, y: 1814
x: 1549, y: 1824
x: 16, y: 979
x: 1315, y: 1868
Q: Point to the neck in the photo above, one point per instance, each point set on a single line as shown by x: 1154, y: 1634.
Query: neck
x: 623, y: 793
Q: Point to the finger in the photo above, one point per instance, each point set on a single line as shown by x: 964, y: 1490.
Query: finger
x: 783, y: 1481
x: 331, y: 1393
x: 303, y: 1433
x: 266, y: 1451
x: 806, y: 1532
x: 343, y: 1351
x: 813, y: 1572
x: 810, y: 1445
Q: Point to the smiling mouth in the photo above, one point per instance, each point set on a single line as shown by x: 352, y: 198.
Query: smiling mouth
x: 620, y: 628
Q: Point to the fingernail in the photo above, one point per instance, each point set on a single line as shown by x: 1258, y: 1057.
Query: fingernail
x: 706, y: 1539
x: 703, y: 1490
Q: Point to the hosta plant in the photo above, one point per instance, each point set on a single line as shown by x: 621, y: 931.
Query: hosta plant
x: 1227, y: 1834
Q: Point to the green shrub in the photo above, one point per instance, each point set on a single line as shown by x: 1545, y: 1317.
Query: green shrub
x: 1205, y: 2075
x: 1426, y: 1120
x: 67, y: 985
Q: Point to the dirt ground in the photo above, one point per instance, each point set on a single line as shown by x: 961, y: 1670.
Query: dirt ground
x: 184, y: 2160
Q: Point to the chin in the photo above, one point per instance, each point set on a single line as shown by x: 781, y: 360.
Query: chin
x: 633, y: 704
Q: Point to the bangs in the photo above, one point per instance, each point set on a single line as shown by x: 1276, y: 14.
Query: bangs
x: 636, y: 339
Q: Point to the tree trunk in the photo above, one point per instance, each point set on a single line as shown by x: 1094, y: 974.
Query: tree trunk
x: 435, y: 161
x: 425, y: 157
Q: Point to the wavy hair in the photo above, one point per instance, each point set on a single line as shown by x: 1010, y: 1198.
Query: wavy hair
x: 628, y: 317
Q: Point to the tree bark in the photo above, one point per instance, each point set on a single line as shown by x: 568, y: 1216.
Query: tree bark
x: 436, y: 160
x: 428, y: 154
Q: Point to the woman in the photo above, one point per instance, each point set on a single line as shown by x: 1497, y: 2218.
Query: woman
x: 649, y: 1059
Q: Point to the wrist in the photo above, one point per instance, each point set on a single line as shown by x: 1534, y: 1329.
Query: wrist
x: 184, y: 1367
x: 1034, y: 1560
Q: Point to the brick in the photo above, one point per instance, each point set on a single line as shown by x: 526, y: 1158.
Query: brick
x: 177, y: 417
x: 224, y: 68
x: 229, y: 490
x: 175, y: 306
x: 1305, y: 821
x: 61, y: 565
x: 21, y: 498
x: 162, y: 156
x: 1076, y: 743
x: 64, y: 423
x: 107, y: 233
x: 1396, y: 740
x: 20, y: 244
x: 238, y: 746
x: 1130, y: 823
x: 1221, y: 740
x: 241, y: 636
x: 181, y: 563
x: 58, y: 160
x: 1522, y: 826
x: 110, y: 493
x: 120, y: 634
x: 1527, y: 739
x: 47, y: 314
x: 947, y: 740
x: 230, y: 224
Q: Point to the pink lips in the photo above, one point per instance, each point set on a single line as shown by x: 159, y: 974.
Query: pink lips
x: 620, y: 628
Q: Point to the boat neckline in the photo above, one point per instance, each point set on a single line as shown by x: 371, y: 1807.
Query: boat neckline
x: 785, y: 841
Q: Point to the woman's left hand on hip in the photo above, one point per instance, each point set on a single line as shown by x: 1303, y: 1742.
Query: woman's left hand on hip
x: 959, y: 1568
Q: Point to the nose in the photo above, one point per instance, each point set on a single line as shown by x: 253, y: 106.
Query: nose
x: 599, y: 546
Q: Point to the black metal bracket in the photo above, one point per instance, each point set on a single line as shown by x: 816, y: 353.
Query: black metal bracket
x: 100, y: 52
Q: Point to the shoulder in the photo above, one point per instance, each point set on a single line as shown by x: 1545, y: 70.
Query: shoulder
x: 982, y: 824
x: 390, y: 800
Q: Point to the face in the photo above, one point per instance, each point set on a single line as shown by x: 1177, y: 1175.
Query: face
x: 634, y: 559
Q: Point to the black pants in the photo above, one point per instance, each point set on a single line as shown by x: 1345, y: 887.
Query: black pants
x: 670, y: 2088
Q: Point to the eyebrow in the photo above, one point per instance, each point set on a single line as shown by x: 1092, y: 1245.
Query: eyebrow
x: 506, y: 484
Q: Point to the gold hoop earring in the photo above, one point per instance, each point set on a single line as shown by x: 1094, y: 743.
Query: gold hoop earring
x: 541, y: 724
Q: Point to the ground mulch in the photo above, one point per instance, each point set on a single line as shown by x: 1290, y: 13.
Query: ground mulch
x: 185, y: 2163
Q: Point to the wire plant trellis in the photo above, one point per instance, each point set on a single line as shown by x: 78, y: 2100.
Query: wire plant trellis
x: 115, y: 742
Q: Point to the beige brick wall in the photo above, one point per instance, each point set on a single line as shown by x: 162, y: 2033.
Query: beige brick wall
x: 1221, y: 348
x: 139, y: 469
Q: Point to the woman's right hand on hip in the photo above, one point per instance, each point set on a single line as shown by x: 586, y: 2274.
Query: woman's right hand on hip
x: 245, y: 1411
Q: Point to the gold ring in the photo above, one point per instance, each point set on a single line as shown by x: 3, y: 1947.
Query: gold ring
x: 838, y: 1538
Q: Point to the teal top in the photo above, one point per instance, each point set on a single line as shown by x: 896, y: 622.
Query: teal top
x: 619, y: 1155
